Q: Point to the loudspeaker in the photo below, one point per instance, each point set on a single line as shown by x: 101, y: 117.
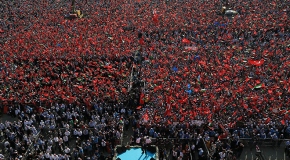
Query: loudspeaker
x: 151, y: 149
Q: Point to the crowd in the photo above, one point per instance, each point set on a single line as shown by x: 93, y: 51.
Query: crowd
x: 200, y: 65
x: 193, y: 64
x: 64, y: 132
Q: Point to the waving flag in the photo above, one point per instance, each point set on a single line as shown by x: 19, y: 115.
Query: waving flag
x: 186, y: 41
x: 168, y: 110
x: 256, y: 62
x: 146, y: 116
x: 262, y: 85
x: 267, y: 120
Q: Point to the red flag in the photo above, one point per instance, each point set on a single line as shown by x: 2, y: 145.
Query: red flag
x: 222, y: 127
x: 256, y: 62
x: 146, y: 116
x: 168, y: 110
x: 141, y: 41
x: 182, y: 119
x: 267, y: 120
x: 283, y: 122
x: 209, y: 117
x: 157, y: 88
x: 192, y: 114
x: 124, y: 90
x: 245, y: 106
x: 183, y: 100
x: 5, y: 109
x: 155, y: 18
x: 142, y: 96
x: 235, y: 113
x: 186, y: 41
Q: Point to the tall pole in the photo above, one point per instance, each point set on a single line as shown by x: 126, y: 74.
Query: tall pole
x: 73, y: 6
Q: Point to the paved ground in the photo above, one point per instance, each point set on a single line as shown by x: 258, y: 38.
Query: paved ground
x: 269, y: 153
x: 5, y: 117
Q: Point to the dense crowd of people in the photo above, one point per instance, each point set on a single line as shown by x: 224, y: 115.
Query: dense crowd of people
x: 191, y: 64
x: 217, y: 69
x: 64, y: 132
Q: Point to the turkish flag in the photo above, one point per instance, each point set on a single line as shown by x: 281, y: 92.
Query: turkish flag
x: 283, y: 122
x: 267, y: 120
x: 256, y: 62
x: 141, y: 41
x: 155, y: 18
x: 146, y: 116
x: 186, y: 41
x: 182, y: 119
x: 142, y: 96
x: 168, y: 110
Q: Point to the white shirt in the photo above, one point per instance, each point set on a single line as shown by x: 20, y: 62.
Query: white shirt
x: 174, y: 153
x: 55, y: 139
x: 138, y: 140
x: 118, y: 135
x: 103, y: 143
x: 67, y: 150
x: 80, y: 133
x: 48, y: 150
x: 193, y: 147
x: 181, y: 154
x: 67, y: 133
x: 75, y: 132
x: 148, y: 141
x: 47, y: 155
x: 65, y: 138
x: 222, y: 155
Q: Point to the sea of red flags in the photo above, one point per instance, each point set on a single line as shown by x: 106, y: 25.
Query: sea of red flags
x: 79, y: 61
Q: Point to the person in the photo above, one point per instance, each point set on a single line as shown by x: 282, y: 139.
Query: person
x: 148, y: 141
x: 200, y: 154
x: 144, y: 148
x: 1, y: 156
x: 128, y: 146
x: 192, y: 150
x: 174, y: 154
x: 239, y: 149
x: 222, y: 155
x: 138, y: 140
x: 259, y: 153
